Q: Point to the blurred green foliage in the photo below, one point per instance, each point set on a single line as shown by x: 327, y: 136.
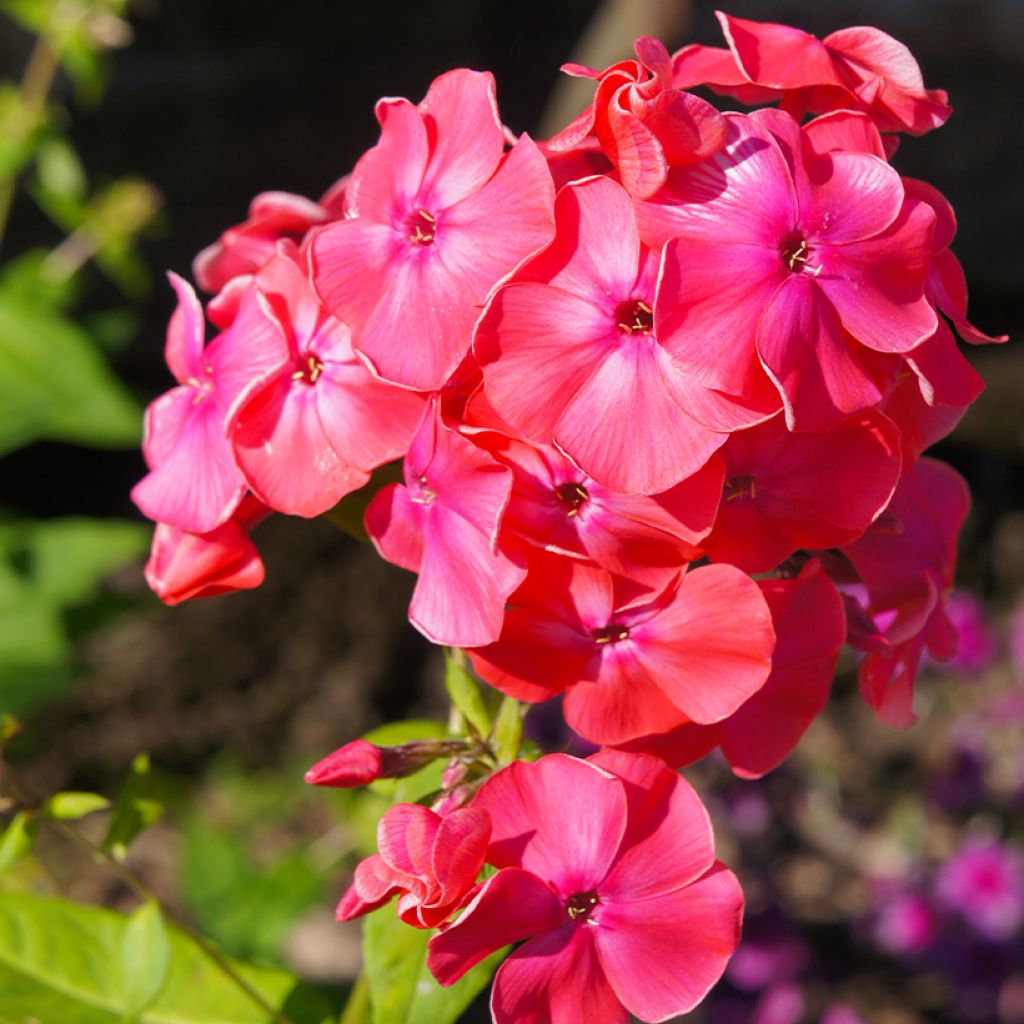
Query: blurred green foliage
x: 55, y: 381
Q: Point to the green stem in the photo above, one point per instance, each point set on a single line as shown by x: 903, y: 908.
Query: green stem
x: 36, y: 82
x: 29, y: 799
x: 357, y: 1009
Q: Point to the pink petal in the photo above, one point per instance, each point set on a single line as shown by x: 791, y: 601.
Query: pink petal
x: 197, y: 486
x: 560, y: 818
x: 624, y: 702
x: 461, y: 117
x: 662, y: 956
x: 808, y: 354
x: 810, y: 625
x: 459, y: 849
x: 844, y: 131
x: 688, y: 128
x: 638, y: 154
x: 389, y: 176
x: 185, y: 333
x: 596, y: 250
x: 281, y: 448
x: 743, y: 194
x: 668, y: 842
x: 373, y: 886
x: 663, y: 444
x: 945, y: 376
x: 405, y: 838
x: 355, y: 764
x: 394, y: 524
x: 186, y: 565
x: 512, y: 906
x: 351, y: 262
x: 777, y: 55
x: 860, y: 199
x: 555, y: 979
x: 711, y: 298
x: 463, y: 585
x: 537, y: 342
x: 422, y: 325
x: 876, y: 285
x: 718, y: 628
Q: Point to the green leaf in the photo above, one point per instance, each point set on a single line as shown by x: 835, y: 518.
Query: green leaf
x: 58, y: 963
x: 392, y: 734
x: 34, y: 654
x: 145, y: 959
x: 135, y: 808
x: 508, y: 730
x: 464, y: 691
x: 402, y: 990
x: 60, y: 187
x: 69, y: 557
x: 70, y: 806
x: 54, y: 383
x: 16, y: 842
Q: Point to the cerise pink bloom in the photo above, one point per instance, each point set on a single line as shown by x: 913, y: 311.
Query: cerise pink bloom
x: 807, y: 614
x: 644, y: 126
x: 311, y: 429
x: 571, y: 355
x: 787, y: 491
x: 430, y: 861
x: 631, y: 661
x: 443, y: 523
x: 193, y: 482
x: 860, y: 68
x: 607, y: 868
x: 787, y: 259
x: 437, y: 215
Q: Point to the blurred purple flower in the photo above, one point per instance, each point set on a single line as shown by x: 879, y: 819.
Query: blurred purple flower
x: 781, y: 1004
x: 905, y: 924
x: 768, y: 953
x: 840, y: 1013
x: 750, y: 812
x: 984, y: 881
x: 976, y: 642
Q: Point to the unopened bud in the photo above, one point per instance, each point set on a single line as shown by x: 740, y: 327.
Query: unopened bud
x: 360, y: 762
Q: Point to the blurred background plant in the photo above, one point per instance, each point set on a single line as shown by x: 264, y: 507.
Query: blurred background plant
x: 863, y: 857
x: 55, y: 379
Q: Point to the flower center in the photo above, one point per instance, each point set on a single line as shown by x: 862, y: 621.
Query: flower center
x: 309, y: 373
x: 421, y: 494
x: 610, y: 634
x: 739, y: 487
x: 635, y: 316
x: 796, y: 253
x: 572, y: 497
x: 422, y: 226
x: 580, y: 905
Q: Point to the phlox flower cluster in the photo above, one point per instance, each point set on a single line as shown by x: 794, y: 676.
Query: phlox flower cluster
x: 661, y: 388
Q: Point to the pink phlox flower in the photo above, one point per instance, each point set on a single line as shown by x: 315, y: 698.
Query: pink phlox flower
x: 183, y: 566
x: 571, y: 354
x: 273, y: 216
x: 905, y: 561
x: 644, y: 125
x: 437, y: 213
x: 631, y: 660
x: 193, y: 483
x: 431, y: 862
x: 809, y: 622
x: 984, y: 881
x: 443, y: 523
x: 905, y: 922
x: 786, y: 491
x: 557, y: 507
x: 860, y: 68
x: 789, y: 259
x: 607, y: 868
x: 315, y: 426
